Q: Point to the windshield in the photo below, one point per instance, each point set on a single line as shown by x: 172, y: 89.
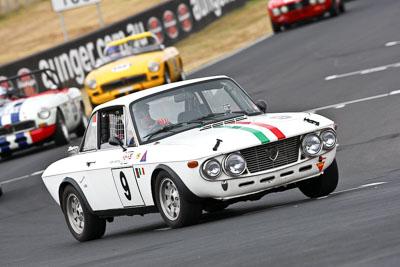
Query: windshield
x: 27, y: 84
x: 190, y: 106
x: 131, y: 48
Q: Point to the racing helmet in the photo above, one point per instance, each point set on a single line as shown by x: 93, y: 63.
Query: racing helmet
x: 112, y: 50
x: 3, y: 92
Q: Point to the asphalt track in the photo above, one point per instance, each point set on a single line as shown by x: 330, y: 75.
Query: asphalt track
x: 358, y: 225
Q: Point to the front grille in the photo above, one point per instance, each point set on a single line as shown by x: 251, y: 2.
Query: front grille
x: 298, y: 5
x: 258, y: 160
x: 17, y: 127
x: 127, y: 81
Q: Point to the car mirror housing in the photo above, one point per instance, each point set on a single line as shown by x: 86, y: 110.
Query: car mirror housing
x: 115, y: 141
x: 72, y: 151
x: 261, y: 104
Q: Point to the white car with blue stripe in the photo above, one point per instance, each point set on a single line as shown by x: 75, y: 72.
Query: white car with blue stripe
x: 30, y: 115
x: 188, y: 147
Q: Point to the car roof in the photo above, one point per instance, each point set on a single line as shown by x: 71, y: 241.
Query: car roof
x: 154, y: 90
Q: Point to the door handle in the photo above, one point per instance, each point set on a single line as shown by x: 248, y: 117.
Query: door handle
x: 88, y: 163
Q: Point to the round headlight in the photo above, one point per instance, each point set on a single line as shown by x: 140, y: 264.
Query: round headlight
x: 212, y: 168
x: 235, y: 164
x: 328, y: 139
x: 91, y: 83
x: 44, y: 113
x: 313, y: 2
x: 284, y: 9
x: 276, y: 11
x: 153, y: 66
x: 311, y: 144
x: 322, y: 1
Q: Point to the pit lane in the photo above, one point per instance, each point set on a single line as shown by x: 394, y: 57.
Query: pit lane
x: 356, y: 226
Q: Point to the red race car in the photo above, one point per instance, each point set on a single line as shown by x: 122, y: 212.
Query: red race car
x: 286, y: 12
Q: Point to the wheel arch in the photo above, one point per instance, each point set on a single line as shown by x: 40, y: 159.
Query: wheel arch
x: 69, y: 181
x: 189, y: 195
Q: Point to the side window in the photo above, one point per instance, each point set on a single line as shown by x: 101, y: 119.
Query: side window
x: 112, y: 123
x: 90, y: 141
x: 130, y: 133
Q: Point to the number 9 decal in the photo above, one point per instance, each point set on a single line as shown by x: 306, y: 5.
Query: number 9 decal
x: 125, y: 185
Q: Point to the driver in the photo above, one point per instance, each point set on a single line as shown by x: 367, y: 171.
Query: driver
x: 113, y: 51
x: 144, y: 121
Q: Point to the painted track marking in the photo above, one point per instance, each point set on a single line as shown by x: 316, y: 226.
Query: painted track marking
x: 22, y: 177
x: 363, y: 72
x: 343, y: 104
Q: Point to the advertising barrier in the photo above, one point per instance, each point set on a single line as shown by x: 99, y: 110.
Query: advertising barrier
x: 171, y: 22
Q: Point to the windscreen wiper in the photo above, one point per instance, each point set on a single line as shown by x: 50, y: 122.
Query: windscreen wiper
x: 166, y: 128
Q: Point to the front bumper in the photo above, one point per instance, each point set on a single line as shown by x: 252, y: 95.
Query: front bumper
x: 21, y: 140
x: 239, y: 187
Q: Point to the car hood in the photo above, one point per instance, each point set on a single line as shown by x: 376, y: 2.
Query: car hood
x: 253, y: 131
x: 25, y: 109
x: 127, y: 66
x: 277, y: 3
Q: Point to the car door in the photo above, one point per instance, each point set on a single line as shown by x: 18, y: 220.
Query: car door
x: 118, y: 160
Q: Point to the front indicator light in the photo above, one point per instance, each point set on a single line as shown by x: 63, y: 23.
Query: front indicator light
x: 192, y: 164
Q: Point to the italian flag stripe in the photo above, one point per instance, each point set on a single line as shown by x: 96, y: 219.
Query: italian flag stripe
x: 273, y: 129
x: 263, y: 139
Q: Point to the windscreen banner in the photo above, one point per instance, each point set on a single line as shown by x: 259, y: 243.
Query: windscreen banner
x: 170, y: 21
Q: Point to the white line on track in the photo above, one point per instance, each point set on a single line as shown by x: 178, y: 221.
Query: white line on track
x: 22, y: 177
x: 343, y: 104
x: 393, y: 43
x: 363, y: 72
x: 357, y: 188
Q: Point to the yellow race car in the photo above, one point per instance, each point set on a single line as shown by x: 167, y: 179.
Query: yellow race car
x: 131, y: 64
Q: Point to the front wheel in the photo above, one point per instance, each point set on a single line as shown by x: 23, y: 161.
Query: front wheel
x: 334, y: 9
x: 167, y: 78
x: 322, y: 185
x: 342, y: 7
x: 276, y: 27
x: 83, y: 225
x: 174, y: 208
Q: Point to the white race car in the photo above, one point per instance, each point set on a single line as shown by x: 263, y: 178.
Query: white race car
x: 186, y: 147
x: 33, y: 115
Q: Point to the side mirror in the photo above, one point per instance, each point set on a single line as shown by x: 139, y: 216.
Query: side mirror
x: 115, y: 141
x: 72, y: 151
x: 261, y: 104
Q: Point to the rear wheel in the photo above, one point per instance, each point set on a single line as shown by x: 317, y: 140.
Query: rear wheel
x: 80, y: 130
x: 322, y: 185
x: 61, y: 135
x: 83, y: 225
x: 174, y: 208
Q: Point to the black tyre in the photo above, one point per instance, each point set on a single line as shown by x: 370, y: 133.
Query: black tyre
x: 167, y: 78
x: 276, y: 27
x: 334, y: 9
x: 61, y: 135
x: 342, y: 7
x: 182, y: 76
x: 83, y: 225
x: 172, y: 205
x: 322, y: 185
x: 215, y: 207
x: 80, y: 130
